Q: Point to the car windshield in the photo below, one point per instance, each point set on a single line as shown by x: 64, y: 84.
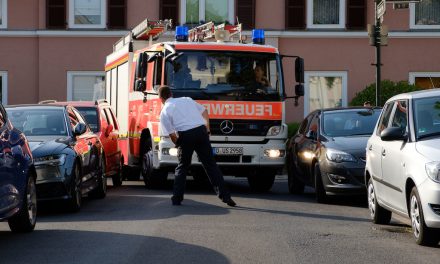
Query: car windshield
x: 37, y: 121
x: 349, y: 122
x: 91, y: 116
x: 427, y: 117
x: 225, y: 76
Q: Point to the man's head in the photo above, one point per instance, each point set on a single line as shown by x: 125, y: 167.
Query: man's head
x: 164, y: 93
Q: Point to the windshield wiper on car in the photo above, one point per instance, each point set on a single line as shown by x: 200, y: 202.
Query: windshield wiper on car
x: 435, y: 134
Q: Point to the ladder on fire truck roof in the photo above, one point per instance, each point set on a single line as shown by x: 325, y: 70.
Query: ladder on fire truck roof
x: 146, y: 30
x: 209, y: 31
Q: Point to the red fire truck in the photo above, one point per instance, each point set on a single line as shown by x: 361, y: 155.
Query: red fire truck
x: 240, y: 84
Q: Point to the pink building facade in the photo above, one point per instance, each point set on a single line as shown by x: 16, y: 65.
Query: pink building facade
x: 56, y: 49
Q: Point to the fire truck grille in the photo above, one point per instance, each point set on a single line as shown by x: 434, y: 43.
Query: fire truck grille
x: 242, y: 127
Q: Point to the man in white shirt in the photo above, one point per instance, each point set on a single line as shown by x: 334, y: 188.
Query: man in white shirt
x: 187, y: 124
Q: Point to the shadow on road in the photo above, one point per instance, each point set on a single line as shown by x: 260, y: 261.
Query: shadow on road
x: 45, y: 246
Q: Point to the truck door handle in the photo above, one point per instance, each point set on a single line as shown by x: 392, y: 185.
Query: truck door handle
x: 371, y: 147
x: 89, y: 143
x: 383, y: 153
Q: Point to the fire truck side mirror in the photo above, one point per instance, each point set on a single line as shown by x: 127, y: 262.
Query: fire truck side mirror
x: 299, y: 90
x: 299, y: 70
x: 141, y: 66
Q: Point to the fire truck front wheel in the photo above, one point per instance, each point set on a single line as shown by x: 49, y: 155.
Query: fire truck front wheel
x: 153, y: 178
x: 262, y: 180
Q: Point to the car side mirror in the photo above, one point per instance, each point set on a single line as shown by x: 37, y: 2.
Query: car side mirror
x: 79, y: 129
x: 392, y: 134
x: 108, y: 130
x: 311, y: 134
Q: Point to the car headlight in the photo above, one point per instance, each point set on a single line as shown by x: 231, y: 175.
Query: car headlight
x: 274, y: 131
x: 51, y: 160
x: 433, y: 170
x: 339, y: 156
x: 170, y: 151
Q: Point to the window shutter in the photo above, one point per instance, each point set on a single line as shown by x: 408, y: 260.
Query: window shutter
x: 169, y: 9
x: 117, y: 14
x: 246, y: 13
x: 295, y: 14
x: 356, y: 14
x: 56, y: 14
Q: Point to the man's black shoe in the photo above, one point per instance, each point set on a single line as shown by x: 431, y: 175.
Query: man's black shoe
x: 176, y: 201
x: 229, y: 202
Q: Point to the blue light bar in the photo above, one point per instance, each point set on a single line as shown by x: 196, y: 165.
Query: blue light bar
x: 258, y: 36
x: 181, y: 33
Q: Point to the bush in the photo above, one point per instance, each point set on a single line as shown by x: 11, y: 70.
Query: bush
x: 388, y: 90
x: 292, y: 128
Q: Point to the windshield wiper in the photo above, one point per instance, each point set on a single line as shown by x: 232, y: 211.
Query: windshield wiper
x: 429, y: 135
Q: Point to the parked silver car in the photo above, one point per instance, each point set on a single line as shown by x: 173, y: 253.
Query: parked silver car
x: 403, y: 164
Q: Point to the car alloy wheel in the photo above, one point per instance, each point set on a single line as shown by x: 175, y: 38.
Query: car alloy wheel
x: 415, y: 216
x: 371, y: 200
x: 31, y: 198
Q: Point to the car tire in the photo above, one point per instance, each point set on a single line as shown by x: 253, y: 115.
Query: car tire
x: 101, y: 189
x: 424, y: 235
x: 24, y: 221
x: 117, y: 178
x: 262, y: 181
x: 75, y: 200
x: 378, y: 214
x: 295, y: 185
x: 320, y: 194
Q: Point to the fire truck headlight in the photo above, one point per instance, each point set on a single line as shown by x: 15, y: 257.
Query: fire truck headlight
x: 169, y: 151
x: 274, y: 131
x: 274, y: 153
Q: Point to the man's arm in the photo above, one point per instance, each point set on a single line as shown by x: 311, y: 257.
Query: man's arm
x: 206, y: 117
x: 173, y: 137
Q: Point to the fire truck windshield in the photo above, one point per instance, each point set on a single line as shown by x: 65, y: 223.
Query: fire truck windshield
x: 225, y: 76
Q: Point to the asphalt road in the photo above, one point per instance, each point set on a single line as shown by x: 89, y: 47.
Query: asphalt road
x: 135, y: 225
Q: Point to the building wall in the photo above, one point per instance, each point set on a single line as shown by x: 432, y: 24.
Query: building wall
x: 37, y: 60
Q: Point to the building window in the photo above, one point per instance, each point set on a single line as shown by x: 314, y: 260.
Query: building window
x: 87, y: 13
x: 4, y: 87
x: 117, y: 14
x: 326, y: 14
x: 194, y: 11
x: 85, y: 86
x: 3, y: 13
x: 425, y: 80
x: 324, y: 90
x: 56, y: 14
x: 425, y: 15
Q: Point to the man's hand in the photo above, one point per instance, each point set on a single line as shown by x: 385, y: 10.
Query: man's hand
x: 174, y: 138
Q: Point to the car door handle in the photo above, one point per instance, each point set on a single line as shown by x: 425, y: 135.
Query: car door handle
x: 371, y: 147
x: 383, y: 153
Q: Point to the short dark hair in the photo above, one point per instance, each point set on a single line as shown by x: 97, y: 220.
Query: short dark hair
x: 164, y: 92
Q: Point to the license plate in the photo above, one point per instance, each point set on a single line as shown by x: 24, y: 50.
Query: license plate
x: 228, y: 151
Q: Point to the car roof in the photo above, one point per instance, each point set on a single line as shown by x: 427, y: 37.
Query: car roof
x: 36, y: 105
x: 416, y: 95
x: 341, y: 109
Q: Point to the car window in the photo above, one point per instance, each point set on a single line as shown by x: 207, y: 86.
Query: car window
x: 38, y: 122
x: 109, y: 118
x: 305, y: 122
x: 91, y: 116
x: 400, y: 118
x: 113, y: 118
x: 349, y: 122
x: 72, y: 118
x: 427, y: 117
x: 384, y: 118
x: 314, y: 124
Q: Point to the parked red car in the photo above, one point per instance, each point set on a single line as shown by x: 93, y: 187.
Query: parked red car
x: 102, y: 121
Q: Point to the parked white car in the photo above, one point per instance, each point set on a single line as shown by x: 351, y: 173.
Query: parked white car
x: 402, y: 171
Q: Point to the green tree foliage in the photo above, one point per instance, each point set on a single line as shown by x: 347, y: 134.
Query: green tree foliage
x: 292, y: 128
x: 388, y: 90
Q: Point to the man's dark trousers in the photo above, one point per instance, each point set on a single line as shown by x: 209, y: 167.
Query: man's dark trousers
x: 197, y: 139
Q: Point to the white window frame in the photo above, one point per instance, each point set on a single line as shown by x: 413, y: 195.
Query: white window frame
x: 231, y: 11
x: 72, y: 16
x: 412, y: 19
x: 414, y: 75
x: 71, y: 74
x: 323, y: 26
x: 4, y: 4
x: 307, y: 74
x: 4, y: 75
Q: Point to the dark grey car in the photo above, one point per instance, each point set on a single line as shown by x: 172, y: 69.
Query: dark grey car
x: 328, y: 151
